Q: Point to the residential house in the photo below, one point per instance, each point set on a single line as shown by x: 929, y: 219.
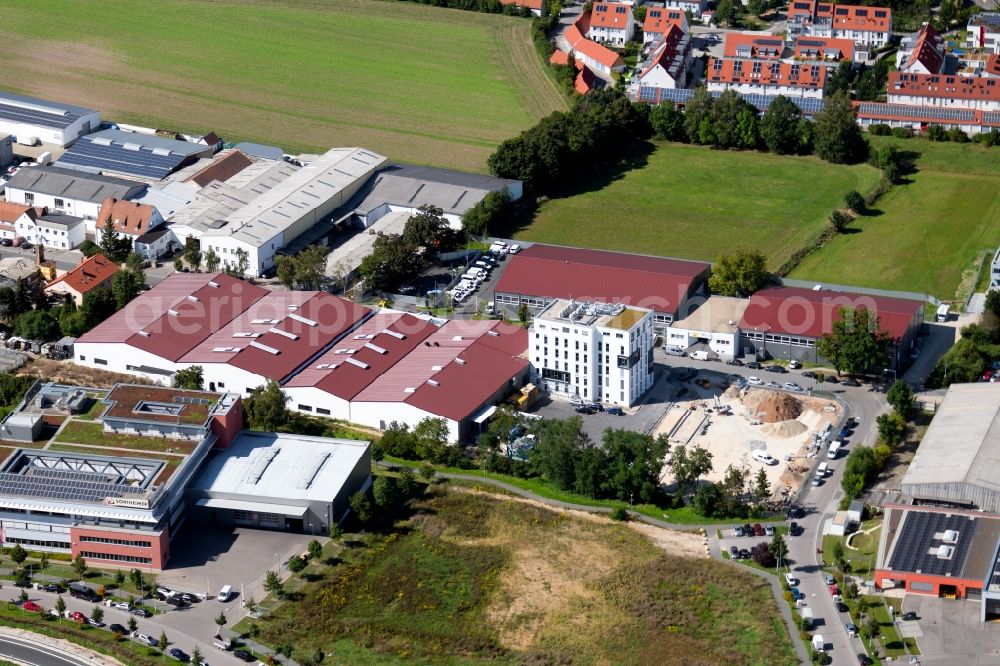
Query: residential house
x: 69, y: 191
x: 919, y: 118
x: 658, y: 21
x: 55, y: 230
x: 936, y: 90
x: 922, y: 53
x: 11, y: 213
x: 534, y: 6
x: 869, y: 27
x: 611, y: 23
x: 984, y: 32
x: 766, y: 77
x: 599, y: 58
x: 823, y: 49
x: 696, y: 7
x: 130, y: 219
x: 668, y: 63
x: 753, y: 45
x: 96, y: 272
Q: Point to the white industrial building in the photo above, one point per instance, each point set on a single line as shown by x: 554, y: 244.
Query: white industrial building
x: 715, y: 323
x: 30, y: 119
x: 275, y: 218
x: 281, y: 481
x: 592, y: 351
x: 68, y: 191
x: 62, y: 232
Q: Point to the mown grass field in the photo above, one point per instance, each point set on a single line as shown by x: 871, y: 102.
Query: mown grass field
x: 926, y: 234
x: 420, y: 84
x: 694, y: 202
x: 470, y: 579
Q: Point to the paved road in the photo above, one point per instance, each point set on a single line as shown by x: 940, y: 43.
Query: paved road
x: 65, y: 259
x: 23, y: 651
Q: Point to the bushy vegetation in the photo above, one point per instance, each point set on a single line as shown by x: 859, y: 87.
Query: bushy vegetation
x: 442, y: 579
x: 974, y: 352
x: 396, y: 258
x: 857, y: 344
x: 12, y: 390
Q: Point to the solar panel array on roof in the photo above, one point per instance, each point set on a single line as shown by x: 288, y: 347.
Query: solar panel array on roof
x: 808, y: 105
x: 923, y: 533
x: 38, y: 117
x: 907, y: 111
x: 41, y: 483
x: 89, y: 154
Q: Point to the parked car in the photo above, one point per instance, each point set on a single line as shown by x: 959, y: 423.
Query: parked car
x: 737, y: 530
x: 828, y: 579
x: 123, y: 605
x: 94, y: 623
x: 842, y: 607
x: 768, y: 530
x: 31, y: 606
x: 834, y: 590
x: 165, y: 591
x: 793, y: 529
x: 758, y: 529
x: 141, y: 612
x: 792, y: 386
x: 865, y: 660
x: 909, y: 616
x: 672, y: 350
x: 118, y: 629
x: 734, y: 361
x: 734, y: 553
x: 764, y: 457
x: 6, y: 242
x: 146, y: 639
x: 179, y: 655
x: 52, y: 587
x: 832, y: 379
x: 744, y: 554
x: 797, y: 594
x: 614, y: 411
x: 850, y: 381
x: 754, y: 365
x: 852, y: 629
x: 514, y: 249
x: 748, y: 530
x: 585, y: 409
x: 780, y: 369
x: 817, y: 481
x: 754, y: 381
x: 794, y: 365
x: 809, y: 374
x: 77, y: 616
x: 243, y: 655
x: 791, y: 580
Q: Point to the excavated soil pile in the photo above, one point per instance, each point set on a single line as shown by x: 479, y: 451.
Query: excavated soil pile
x: 789, y: 428
x: 773, y: 406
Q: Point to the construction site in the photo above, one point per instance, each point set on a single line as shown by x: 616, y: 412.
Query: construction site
x: 753, y: 427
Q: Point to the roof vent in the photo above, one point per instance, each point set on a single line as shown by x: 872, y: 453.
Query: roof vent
x: 950, y: 536
x: 375, y: 348
x: 263, y: 347
x: 193, y: 298
x: 493, y: 333
x: 945, y: 552
x: 144, y: 334
x: 360, y: 364
x: 173, y: 313
x: 436, y: 368
x: 457, y: 338
x: 409, y: 389
x: 433, y: 382
x: 287, y: 334
x: 245, y: 334
x: 301, y: 319
x: 213, y: 283
x: 459, y: 360
x: 227, y: 350
x: 395, y: 334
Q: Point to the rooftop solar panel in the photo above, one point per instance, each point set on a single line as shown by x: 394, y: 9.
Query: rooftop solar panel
x: 919, y: 538
x: 37, y: 117
x: 94, y: 155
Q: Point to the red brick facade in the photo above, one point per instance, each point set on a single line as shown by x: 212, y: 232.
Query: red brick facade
x: 123, y: 548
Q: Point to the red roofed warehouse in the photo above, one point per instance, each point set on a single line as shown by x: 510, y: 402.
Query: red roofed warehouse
x: 93, y: 273
x: 785, y: 322
x: 542, y: 273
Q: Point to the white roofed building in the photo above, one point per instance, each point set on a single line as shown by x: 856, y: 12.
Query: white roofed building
x: 50, y: 122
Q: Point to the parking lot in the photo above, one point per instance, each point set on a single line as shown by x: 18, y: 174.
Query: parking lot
x: 948, y: 631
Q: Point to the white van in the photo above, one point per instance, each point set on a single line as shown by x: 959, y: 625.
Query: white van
x: 834, y: 450
x: 226, y: 593
x: 943, y: 311
x: 822, y: 470
x: 699, y: 355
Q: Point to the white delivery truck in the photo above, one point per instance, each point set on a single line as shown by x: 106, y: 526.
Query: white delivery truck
x: 818, y: 643
x: 226, y: 593
x: 699, y: 355
x: 943, y: 312
x: 807, y: 615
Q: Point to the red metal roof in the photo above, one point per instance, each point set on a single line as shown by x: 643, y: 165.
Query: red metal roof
x: 147, y: 308
x: 223, y: 167
x: 928, y: 50
x: 810, y: 314
x: 194, y: 317
x: 548, y: 271
x: 377, y: 345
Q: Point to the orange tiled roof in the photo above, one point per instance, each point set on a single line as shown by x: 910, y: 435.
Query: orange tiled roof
x: 128, y: 217
x: 748, y: 45
x: 659, y: 19
x: 613, y: 15
x: 10, y: 212
x: 88, y: 275
x: 927, y: 50
x: 766, y: 72
x: 937, y: 85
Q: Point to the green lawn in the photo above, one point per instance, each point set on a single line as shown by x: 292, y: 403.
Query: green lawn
x: 929, y: 232
x: 420, y: 84
x: 694, y: 202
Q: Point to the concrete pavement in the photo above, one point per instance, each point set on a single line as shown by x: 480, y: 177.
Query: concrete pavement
x: 32, y: 651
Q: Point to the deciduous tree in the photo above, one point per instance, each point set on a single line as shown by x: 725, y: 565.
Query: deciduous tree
x: 900, y: 396
x: 779, y: 126
x: 857, y: 342
x: 191, y: 378
x: 836, y: 134
x: 266, y: 407
x: 688, y: 465
x: 739, y: 273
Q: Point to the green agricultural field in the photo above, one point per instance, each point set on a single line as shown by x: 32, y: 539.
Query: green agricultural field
x: 420, y: 84
x: 694, y: 202
x: 466, y: 578
x: 927, y: 234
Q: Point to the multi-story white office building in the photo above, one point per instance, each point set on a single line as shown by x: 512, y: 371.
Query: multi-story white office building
x: 594, y: 351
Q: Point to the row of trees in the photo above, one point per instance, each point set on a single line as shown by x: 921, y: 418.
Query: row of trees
x: 564, y: 146
x: 428, y: 440
x: 730, y: 122
x: 396, y: 258
x: 305, y: 270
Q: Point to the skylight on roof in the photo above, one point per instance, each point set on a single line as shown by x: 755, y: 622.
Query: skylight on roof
x: 263, y: 347
x: 266, y: 321
x: 287, y: 334
x: 360, y: 364
x: 228, y: 350
x: 375, y: 348
x: 433, y: 382
x: 245, y: 334
x: 395, y: 334
x: 302, y: 320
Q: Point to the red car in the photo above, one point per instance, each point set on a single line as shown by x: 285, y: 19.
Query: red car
x: 77, y: 616
x: 987, y: 375
x: 758, y: 529
x: 31, y: 606
x: 833, y: 589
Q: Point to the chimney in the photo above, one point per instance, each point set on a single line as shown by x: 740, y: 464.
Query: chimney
x: 39, y: 254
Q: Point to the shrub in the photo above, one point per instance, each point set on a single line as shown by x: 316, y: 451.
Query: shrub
x: 937, y: 133
x: 902, y: 132
x: 957, y: 135
x: 621, y: 513
x: 879, y: 129
x: 838, y: 220
x: 855, y: 201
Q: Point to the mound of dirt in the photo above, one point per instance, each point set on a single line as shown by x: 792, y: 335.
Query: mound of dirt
x: 776, y: 406
x: 733, y: 392
x: 789, y: 428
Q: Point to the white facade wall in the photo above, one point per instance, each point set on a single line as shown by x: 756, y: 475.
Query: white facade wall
x: 696, y: 7
x: 121, y: 357
x: 259, y: 258
x: 991, y: 39
x: 658, y: 77
x: 578, y: 360
x: 591, y: 63
x: 228, y: 378
x: 725, y: 345
x: 615, y: 36
x: 865, y: 37
x: 759, y: 89
x: 60, y: 137
x: 154, y: 249
x: 318, y: 402
x: 917, y: 125
x: 58, y: 237
x: 950, y: 102
x: 381, y: 414
x: 88, y: 210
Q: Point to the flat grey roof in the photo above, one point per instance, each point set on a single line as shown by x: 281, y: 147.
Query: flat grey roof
x: 414, y: 186
x: 962, y: 443
x: 73, y: 184
x: 57, y: 221
x: 718, y: 314
x: 261, y: 150
x: 277, y: 467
